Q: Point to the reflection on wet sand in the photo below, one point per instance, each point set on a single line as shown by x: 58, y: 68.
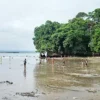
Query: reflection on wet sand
x: 25, y: 71
x: 62, y: 73
x: 16, y: 75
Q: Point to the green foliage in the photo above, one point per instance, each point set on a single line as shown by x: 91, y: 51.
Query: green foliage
x: 95, y: 41
x: 81, y: 15
x: 80, y: 35
x: 77, y: 37
x: 43, y: 34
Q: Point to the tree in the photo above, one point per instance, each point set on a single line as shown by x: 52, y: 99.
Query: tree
x: 95, y: 41
x: 80, y: 35
x: 81, y: 15
x: 77, y: 36
x: 42, y: 39
x: 94, y: 15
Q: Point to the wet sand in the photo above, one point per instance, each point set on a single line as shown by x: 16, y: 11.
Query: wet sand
x: 50, y: 80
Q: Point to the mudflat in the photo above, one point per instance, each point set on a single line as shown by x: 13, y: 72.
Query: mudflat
x: 68, y: 78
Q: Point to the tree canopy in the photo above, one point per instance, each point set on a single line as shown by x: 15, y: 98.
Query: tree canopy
x: 81, y: 35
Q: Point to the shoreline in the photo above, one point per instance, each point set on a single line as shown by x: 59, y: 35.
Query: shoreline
x: 70, y: 57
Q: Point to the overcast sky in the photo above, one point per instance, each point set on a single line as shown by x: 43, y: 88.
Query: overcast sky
x: 18, y: 18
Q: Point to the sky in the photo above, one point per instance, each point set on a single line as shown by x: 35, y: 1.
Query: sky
x: 18, y: 18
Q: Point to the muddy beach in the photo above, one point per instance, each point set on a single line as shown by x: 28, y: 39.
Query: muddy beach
x: 52, y: 79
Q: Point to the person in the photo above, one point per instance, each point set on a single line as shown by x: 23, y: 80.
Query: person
x: 86, y: 62
x: 25, y: 62
x: 64, y: 62
x: 25, y: 67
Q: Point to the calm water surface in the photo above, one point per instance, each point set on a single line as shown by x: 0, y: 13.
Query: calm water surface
x: 52, y: 80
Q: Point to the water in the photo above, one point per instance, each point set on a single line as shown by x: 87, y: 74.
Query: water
x: 12, y: 69
x: 50, y: 80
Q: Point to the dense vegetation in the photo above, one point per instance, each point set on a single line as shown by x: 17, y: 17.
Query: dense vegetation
x: 80, y: 36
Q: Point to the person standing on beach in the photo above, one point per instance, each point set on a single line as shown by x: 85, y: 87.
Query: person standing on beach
x: 25, y: 62
x: 25, y: 67
x: 86, y: 62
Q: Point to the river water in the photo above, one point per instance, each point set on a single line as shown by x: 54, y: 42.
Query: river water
x: 49, y: 79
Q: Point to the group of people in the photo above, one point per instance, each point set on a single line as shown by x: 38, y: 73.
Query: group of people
x: 84, y: 62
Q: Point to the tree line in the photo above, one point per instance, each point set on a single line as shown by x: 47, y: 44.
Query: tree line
x: 80, y: 36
